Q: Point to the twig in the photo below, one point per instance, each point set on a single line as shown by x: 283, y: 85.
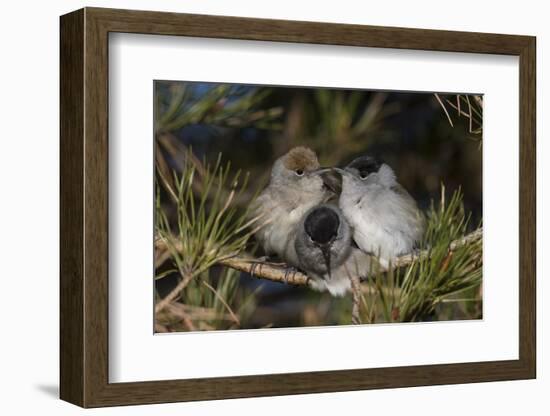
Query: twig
x: 470, y: 238
x: 160, y: 328
x: 444, y: 109
x: 224, y: 303
x: 356, y: 299
x: 174, y: 293
x: 197, y: 313
x: 280, y: 273
x: 183, y: 315
x: 265, y: 270
x: 458, y: 110
x: 470, y: 110
x: 407, y: 259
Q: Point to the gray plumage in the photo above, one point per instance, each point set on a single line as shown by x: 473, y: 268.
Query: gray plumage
x: 294, y: 187
x: 385, y: 218
x: 323, y: 244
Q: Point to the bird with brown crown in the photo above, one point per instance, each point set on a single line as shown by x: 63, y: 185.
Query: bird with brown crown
x: 296, y: 184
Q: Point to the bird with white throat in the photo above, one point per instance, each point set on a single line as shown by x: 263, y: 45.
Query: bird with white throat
x: 386, y: 220
x: 326, y: 252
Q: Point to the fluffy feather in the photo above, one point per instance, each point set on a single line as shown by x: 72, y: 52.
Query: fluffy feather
x: 285, y: 200
x: 385, y: 218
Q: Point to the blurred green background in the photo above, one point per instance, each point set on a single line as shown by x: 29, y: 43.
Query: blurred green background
x: 428, y: 139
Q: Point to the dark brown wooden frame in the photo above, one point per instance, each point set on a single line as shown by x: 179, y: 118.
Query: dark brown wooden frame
x: 84, y: 209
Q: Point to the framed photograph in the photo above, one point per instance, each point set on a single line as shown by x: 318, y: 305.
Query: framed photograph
x: 255, y: 207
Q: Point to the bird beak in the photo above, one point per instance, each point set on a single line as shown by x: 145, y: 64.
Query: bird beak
x: 325, y: 249
x: 342, y: 172
x: 331, y: 180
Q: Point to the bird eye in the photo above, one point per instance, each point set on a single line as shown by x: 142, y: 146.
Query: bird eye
x: 299, y: 172
x: 363, y: 175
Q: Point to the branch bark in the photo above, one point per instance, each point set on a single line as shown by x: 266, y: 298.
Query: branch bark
x: 266, y: 271
x: 356, y: 300
x: 406, y: 260
x: 282, y: 274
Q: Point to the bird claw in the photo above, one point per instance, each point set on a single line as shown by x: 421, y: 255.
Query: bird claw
x: 259, y: 262
x: 289, y: 270
x: 257, y: 265
x: 253, y: 268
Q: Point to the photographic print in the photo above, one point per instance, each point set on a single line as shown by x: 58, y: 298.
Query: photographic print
x: 321, y: 202
x: 281, y: 206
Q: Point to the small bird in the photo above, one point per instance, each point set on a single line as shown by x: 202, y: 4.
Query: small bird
x: 296, y: 185
x: 325, y: 250
x: 385, y: 219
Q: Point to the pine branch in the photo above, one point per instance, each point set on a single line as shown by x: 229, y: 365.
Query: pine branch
x: 356, y: 300
x: 282, y: 274
x: 266, y: 271
x: 407, y: 259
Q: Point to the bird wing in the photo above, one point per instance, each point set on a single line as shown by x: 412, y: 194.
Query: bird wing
x: 415, y: 217
x: 387, y: 221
